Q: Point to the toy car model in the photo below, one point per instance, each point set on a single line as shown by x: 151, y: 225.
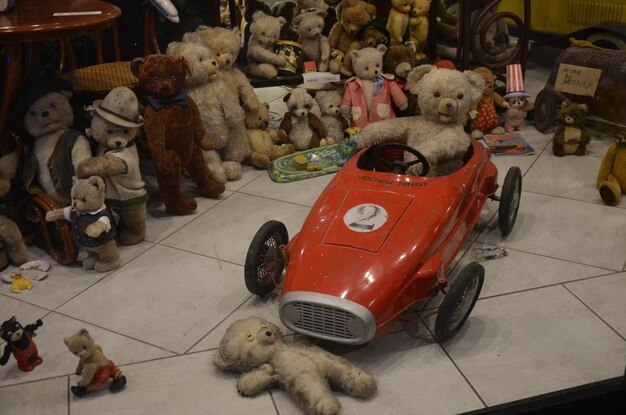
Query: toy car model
x: 377, y: 241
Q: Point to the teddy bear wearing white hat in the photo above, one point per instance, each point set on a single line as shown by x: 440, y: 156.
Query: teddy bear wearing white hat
x: 115, y: 124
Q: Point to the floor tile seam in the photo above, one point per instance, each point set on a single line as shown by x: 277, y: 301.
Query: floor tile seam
x: 456, y: 366
x: 570, y: 198
x: 594, y: 313
x: 200, y: 254
x: 21, y: 300
x: 104, y: 277
x: 116, y: 332
x: 217, y: 325
x: 197, y: 217
x: 276, y: 200
x: 44, y: 379
x: 274, y: 401
x: 610, y: 270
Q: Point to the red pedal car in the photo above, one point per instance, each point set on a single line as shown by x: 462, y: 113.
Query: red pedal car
x: 377, y: 241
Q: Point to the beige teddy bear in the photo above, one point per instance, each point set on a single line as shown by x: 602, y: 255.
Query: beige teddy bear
x: 262, y: 141
x: 92, y: 224
x: 9, y: 232
x: 255, y: 348
x: 418, y: 26
x: 443, y: 97
x: 398, y: 20
x: 265, y: 30
x: 315, y: 46
x: 114, y: 126
x: 95, y: 367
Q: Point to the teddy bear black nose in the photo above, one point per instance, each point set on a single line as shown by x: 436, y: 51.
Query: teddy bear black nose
x: 118, y: 143
x: 449, y: 105
x: 376, y: 72
x: 227, y: 61
x: 268, y: 333
x: 45, y: 114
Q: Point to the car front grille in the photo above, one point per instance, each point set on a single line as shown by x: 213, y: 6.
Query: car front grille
x: 327, y: 317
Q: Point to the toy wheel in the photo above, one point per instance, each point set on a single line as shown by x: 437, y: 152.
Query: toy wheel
x: 459, y: 301
x: 545, y: 108
x: 509, y: 200
x: 264, y: 263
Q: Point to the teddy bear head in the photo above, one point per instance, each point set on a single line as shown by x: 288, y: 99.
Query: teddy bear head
x: 88, y: 194
x: 355, y: 15
x: 572, y: 113
x: 299, y: 102
x: 489, y: 78
x: 200, y: 61
x: 266, y: 29
x: 48, y: 114
x: 11, y: 330
x: 517, y: 102
x: 247, y: 343
x: 373, y: 36
x: 367, y: 63
x: 420, y: 8
x: 403, y: 6
x: 399, y: 60
x: 259, y: 119
x: 445, y: 95
x: 225, y: 43
x: 329, y: 102
x: 116, y: 119
x: 310, y: 24
x: 81, y: 344
x: 160, y: 76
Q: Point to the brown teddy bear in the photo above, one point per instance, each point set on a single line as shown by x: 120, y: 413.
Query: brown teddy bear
x: 371, y: 36
x: 399, y: 60
x: 96, y: 369
x: 611, y: 179
x: 262, y: 141
x: 92, y: 225
x: 174, y: 132
x: 484, y: 116
x: 571, y: 137
x: 9, y: 232
x: 352, y: 16
x: 398, y: 20
x: 418, y: 26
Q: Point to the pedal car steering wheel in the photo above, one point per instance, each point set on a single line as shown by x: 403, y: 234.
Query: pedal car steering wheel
x: 379, y: 162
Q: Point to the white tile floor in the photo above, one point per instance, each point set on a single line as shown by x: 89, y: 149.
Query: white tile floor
x: 551, y: 315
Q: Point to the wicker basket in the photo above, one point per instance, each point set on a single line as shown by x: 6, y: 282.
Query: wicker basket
x: 103, y: 77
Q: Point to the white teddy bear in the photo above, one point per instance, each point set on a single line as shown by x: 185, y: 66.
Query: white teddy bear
x: 255, y: 347
x: 443, y: 97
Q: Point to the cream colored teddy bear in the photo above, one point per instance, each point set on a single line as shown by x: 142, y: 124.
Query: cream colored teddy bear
x: 263, y: 141
x: 443, y: 97
x: 255, y: 347
x: 96, y: 369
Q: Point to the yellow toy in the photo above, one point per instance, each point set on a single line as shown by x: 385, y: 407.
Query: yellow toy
x: 20, y: 284
x: 611, y: 180
x: 418, y: 26
x: 398, y: 20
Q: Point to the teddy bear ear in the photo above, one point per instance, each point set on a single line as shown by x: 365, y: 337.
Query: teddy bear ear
x: 282, y: 21
x: 381, y: 48
x: 584, y: 107
x: 96, y: 182
x: 477, y: 82
x: 296, y: 21
x: 286, y: 97
x: 267, y: 105
x: 135, y: 66
x: 258, y: 15
x: 565, y: 103
x: 83, y: 331
x: 322, y: 12
x: 411, y: 45
x: 355, y: 54
x: 416, y: 76
x: 222, y: 362
x: 371, y: 10
x: 173, y: 48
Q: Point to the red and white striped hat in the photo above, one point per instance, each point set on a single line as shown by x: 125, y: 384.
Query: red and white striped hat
x: 514, y: 81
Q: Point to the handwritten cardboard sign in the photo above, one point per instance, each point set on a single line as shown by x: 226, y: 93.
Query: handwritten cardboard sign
x: 578, y: 80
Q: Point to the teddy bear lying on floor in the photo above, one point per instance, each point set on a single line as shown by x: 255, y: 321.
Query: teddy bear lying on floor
x: 255, y: 347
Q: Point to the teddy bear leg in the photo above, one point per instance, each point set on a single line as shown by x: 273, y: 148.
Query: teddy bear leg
x: 200, y: 174
x: 282, y: 150
x: 108, y: 257
x: 169, y: 189
x: 12, y: 238
x: 315, y: 394
x: 521, y: 126
x: 610, y: 191
x: 558, y: 150
x: 232, y: 169
x: 334, y: 66
x: 509, y: 127
x: 214, y: 163
x: 266, y: 70
x: 581, y: 150
x: 132, y: 223
x: 258, y: 160
x: 89, y: 262
x: 352, y: 380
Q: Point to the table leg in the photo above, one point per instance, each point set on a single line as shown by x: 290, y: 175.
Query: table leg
x: 12, y: 83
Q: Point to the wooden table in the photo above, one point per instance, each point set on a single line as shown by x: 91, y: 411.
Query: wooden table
x: 32, y: 21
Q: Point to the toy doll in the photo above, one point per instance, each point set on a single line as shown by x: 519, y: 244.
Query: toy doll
x: 514, y: 119
x: 20, y: 343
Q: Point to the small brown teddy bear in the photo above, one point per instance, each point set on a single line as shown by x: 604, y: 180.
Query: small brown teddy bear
x: 174, y: 132
x: 571, y: 137
x: 484, y: 116
x: 303, y: 128
x: 255, y: 348
x: 92, y: 224
x: 114, y: 126
x: 611, y: 179
x: 262, y: 141
x: 95, y: 367
x: 399, y: 60
x: 371, y: 36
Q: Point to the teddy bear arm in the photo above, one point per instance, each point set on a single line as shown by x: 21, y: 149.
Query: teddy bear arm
x: 107, y: 165
x: 397, y: 96
x: 606, y: 167
x: 499, y: 101
x: 585, y: 138
x: 444, y: 146
x: 317, y: 126
x: 54, y: 215
x: 97, y: 228
x: 261, y: 55
x: 285, y: 127
x: 335, y: 34
x: 257, y: 380
x: 394, y: 26
x: 89, y: 370
x: 198, y: 129
x: 5, y: 355
x: 81, y: 151
x: 8, y: 165
x: 246, y: 92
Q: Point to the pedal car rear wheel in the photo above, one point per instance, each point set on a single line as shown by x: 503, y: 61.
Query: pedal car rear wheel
x: 264, y: 263
x: 509, y: 200
x: 459, y: 301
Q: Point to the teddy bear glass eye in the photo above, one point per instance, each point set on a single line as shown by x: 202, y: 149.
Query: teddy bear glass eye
x: 53, y: 105
x: 460, y: 96
x: 154, y: 79
x: 173, y: 77
x: 437, y: 94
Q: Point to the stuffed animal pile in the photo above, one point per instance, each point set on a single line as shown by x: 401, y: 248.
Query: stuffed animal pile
x: 255, y: 348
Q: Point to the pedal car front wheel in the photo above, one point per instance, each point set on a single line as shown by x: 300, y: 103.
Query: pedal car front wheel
x: 264, y: 262
x: 509, y: 200
x: 459, y: 301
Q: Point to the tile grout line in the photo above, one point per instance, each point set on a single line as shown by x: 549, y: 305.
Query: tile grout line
x: 276, y: 200
x: 593, y: 311
x: 219, y: 260
x: 274, y: 402
x: 67, y: 391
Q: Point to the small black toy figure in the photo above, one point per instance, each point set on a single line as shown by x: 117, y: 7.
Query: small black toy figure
x: 20, y: 342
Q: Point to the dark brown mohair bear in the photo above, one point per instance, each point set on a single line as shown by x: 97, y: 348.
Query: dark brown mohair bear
x: 399, y: 60
x: 173, y: 131
x: 571, y: 137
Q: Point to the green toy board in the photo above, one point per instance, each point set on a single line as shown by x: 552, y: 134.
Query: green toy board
x: 314, y: 162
